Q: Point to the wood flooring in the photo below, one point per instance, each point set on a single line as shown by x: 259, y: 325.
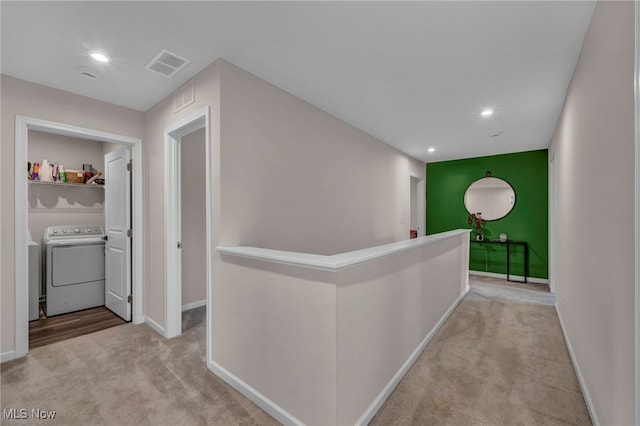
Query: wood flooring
x: 45, y: 331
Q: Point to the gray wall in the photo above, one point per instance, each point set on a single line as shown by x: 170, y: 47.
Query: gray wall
x: 593, y: 153
x: 160, y: 116
x: 297, y: 178
x: 286, y: 175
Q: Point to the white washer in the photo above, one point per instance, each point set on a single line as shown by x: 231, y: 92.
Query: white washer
x: 73, y: 268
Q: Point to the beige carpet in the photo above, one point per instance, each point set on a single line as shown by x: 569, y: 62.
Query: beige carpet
x: 509, y: 291
x: 126, y: 375
x: 496, y: 361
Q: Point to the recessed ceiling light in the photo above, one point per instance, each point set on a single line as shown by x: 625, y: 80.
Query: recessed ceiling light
x: 100, y: 57
x: 431, y: 150
x: 487, y: 112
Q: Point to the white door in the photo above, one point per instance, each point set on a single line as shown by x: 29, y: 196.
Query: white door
x: 117, y: 224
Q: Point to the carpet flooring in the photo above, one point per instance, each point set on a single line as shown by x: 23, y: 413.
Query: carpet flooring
x: 126, y: 375
x: 508, y: 291
x: 498, y: 360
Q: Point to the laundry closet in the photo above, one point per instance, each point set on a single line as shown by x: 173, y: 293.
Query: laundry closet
x: 67, y: 230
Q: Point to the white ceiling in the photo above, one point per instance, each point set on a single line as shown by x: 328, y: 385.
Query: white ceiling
x: 413, y: 74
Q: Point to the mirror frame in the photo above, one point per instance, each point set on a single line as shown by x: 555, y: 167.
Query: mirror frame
x: 488, y: 175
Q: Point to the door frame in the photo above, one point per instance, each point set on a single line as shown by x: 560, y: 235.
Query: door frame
x: 22, y: 126
x: 421, y: 204
x: 636, y: 90
x: 172, y: 225
x: 552, y: 191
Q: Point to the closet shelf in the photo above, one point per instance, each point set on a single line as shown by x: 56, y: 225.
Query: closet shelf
x: 39, y: 182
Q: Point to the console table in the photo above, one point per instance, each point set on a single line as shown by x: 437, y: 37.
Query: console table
x: 509, y: 243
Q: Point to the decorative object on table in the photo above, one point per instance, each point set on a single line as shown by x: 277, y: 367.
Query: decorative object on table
x: 475, y: 221
x: 503, y: 238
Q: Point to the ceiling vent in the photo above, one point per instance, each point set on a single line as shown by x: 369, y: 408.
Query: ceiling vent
x: 166, y: 64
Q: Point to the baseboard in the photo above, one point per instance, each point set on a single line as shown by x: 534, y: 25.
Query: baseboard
x: 504, y: 277
x: 154, y: 325
x: 194, y: 305
x: 371, y: 411
x: 270, y: 407
x: 7, y: 356
x: 576, y: 367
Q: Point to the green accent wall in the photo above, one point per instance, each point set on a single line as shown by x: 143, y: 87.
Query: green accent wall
x: 446, y: 184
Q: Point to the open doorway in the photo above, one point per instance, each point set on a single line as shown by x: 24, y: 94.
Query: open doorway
x: 180, y: 199
x: 24, y: 126
x: 79, y: 253
x: 193, y: 220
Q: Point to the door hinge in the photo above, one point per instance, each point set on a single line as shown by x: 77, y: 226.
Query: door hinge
x: 129, y: 233
x: 106, y: 238
x: 129, y: 299
x: 129, y: 166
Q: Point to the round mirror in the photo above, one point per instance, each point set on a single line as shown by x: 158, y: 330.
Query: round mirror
x: 491, y: 196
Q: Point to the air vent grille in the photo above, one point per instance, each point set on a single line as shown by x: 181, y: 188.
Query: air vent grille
x: 183, y: 97
x: 166, y: 64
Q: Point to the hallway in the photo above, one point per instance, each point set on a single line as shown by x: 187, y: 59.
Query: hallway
x: 500, y: 359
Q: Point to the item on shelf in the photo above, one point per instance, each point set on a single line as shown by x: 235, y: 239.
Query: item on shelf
x: 62, y: 173
x: 36, y: 172
x: 55, y: 174
x: 45, y: 171
x: 29, y: 170
x: 93, y: 179
x: 88, y: 171
x: 74, y: 176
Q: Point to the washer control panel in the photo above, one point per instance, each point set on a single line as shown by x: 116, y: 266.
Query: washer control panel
x: 71, y: 231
